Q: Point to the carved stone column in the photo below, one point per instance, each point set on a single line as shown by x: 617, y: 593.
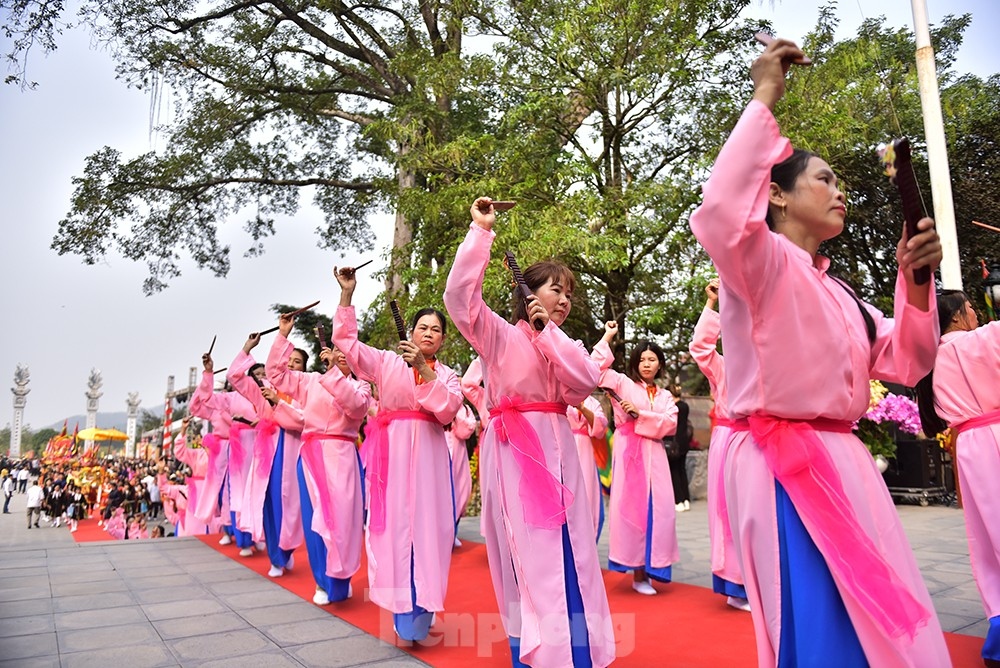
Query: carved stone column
x: 93, y: 393
x: 20, y: 390
x: 133, y: 412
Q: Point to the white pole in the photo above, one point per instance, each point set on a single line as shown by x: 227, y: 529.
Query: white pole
x: 937, y: 150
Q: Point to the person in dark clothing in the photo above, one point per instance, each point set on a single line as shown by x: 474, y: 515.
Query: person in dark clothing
x: 677, y: 446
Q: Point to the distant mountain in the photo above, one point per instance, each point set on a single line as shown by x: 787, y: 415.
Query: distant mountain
x: 117, y: 420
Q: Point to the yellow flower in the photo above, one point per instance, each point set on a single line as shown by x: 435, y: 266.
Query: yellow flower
x: 878, y: 392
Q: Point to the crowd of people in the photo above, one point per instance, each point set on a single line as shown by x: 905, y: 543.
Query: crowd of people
x: 370, y: 453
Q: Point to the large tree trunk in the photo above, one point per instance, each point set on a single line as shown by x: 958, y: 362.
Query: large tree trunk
x: 402, y: 234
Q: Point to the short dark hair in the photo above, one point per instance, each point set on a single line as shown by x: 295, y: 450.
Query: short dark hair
x: 429, y: 311
x: 535, y: 277
x: 636, y: 356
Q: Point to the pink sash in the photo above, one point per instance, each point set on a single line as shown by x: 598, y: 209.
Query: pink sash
x: 323, y: 520
x: 798, y: 459
x: 376, y: 461
x: 544, y: 499
x: 239, y: 468
x: 983, y: 420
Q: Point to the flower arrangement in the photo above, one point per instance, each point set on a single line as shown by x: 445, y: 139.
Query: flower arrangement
x: 887, y: 415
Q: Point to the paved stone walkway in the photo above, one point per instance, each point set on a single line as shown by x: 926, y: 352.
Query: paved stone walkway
x: 178, y: 602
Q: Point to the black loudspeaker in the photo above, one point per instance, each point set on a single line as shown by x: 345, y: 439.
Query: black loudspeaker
x: 917, y: 465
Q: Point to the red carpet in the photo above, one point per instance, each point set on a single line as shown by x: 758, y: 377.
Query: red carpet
x: 684, y: 625
x: 87, y: 531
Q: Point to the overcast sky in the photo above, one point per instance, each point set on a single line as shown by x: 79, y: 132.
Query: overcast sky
x: 63, y: 318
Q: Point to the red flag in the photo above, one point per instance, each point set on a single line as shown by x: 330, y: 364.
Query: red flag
x: 63, y: 432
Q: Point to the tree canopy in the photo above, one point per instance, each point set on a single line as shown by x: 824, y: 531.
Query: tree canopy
x: 601, y: 118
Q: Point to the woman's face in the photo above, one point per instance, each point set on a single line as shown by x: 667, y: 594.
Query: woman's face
x: 816, y: 202
x: 295, y: 362
x: 967, y: 318
x: 260, y: 374
x: 649, y: 365
x: 557, y: 300
x: 340, y: 361
x: 427, y: 334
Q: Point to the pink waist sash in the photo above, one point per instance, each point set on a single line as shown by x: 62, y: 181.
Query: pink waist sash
x: 799, y: 460
x: 377, y: 461
x: 635, y: 495
x: 983, y: 420
x: 544, y: 499
x: 724, y: 422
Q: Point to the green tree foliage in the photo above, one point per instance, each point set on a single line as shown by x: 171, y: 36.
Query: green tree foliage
x: 863, y: 92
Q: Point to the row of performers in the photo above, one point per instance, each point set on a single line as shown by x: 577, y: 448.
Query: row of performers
x: 815, y: 538
x: 281, y: 466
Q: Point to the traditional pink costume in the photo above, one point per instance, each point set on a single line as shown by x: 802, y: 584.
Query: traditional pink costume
x: 541, y: 544
x: 279, y: 428
x: 334, y: 406
x: 411, y: 520
x: 642, y: 515
x: 583, y: 432
x: 186, y: 496
x: 798, y: 366
x: 966, y: 378
x: 220, y: 408
x: 463, y: 426
x: 727, y: 578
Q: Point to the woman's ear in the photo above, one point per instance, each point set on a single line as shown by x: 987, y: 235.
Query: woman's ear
x: 775, y: 195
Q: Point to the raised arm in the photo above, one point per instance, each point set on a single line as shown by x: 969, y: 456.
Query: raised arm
x: 704, y: 342
x: 463, y: 293
x: 905, y: 346
x: 204, y: 402
x: 353, y: 397
x: 291, y: 382
x: 244, y: 384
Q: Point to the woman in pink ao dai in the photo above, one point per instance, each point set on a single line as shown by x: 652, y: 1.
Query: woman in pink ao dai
x: 539, y: 530
x: 828, y: 570
x: 642, y: 512
x: 964, y: 397
x: 411, y: 509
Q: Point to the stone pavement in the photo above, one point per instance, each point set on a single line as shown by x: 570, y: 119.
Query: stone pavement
x: 178, y: 602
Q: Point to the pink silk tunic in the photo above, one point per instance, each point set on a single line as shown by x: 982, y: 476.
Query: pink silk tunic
x: 725, y: 562
x: 186, y: 496
x: 583, y: 431
x: 461, y: 475
x: 419, y: 513
x: 526, y: 561
x: 797, y: 349
x: 219, y: 408
x: 966, y: 378
x: 270, y: 418
x: 657, y: 419
x: 333, y: 408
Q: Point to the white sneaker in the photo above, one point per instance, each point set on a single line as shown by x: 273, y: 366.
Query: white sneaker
x: 291, y: 562
x: 275, y: 572
x: 738, y: 603
x: 458, y: 543
x: 679, y: 507
x: 687, y: 505
x: 225, y: 540
x: 246, y: 552
x: 350, y: 590
x: 644, y: 587
x: 260, y: 545
x: 320, y: 598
